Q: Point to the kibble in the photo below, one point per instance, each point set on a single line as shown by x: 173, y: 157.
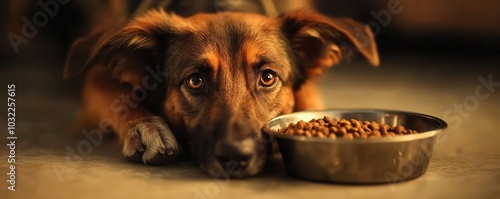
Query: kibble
x: 329, y: 128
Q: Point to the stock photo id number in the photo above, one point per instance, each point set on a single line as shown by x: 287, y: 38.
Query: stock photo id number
x: 11, y: 136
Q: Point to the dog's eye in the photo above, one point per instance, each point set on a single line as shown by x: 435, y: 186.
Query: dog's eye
x: 268, y: 78
x: 195, y: 81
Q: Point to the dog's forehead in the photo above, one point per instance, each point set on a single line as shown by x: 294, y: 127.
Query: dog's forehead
x: 230, y: 34
x: 230, y: 42
x: 204, y: 19
x: 232, y: 28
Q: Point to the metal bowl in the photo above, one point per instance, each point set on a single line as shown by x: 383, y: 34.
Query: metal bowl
x: 359, y: 161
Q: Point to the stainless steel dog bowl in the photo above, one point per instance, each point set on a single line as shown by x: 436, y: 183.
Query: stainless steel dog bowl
x: 370, y: 160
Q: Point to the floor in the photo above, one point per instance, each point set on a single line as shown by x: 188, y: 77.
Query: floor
x: 55, y: 160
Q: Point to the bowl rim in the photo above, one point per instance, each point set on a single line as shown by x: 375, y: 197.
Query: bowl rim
x: 421, y: 135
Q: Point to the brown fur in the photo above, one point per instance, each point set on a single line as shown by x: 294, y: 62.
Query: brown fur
x: 219, y: 124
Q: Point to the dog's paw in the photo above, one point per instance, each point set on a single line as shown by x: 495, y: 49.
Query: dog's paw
x: 150, y: 140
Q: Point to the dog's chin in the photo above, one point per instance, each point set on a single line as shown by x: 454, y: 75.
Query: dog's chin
x: 215, y: 169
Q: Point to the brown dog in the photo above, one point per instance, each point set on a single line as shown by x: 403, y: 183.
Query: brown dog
x: 205, y: 85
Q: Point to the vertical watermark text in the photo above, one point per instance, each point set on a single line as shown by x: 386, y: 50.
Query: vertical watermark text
x: 11, y: 136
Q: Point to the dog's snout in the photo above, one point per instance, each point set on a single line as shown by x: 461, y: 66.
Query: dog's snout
x: 234, y: 156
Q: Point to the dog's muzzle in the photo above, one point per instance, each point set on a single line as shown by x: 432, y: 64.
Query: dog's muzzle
x: 235, y: 156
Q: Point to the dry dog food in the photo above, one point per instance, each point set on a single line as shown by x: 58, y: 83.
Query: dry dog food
x: 349, y: 129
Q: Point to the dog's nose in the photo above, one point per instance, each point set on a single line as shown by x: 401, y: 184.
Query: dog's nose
x: 234, y: 156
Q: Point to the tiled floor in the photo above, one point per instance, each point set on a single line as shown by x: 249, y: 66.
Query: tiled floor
x: 55, y: 160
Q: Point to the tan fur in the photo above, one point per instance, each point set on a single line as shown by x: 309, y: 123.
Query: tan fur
x: 221, y: 122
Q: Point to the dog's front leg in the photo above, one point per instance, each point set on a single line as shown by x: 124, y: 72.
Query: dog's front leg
x: 145, y: 137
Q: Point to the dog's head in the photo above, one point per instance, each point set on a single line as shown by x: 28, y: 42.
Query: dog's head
x: 227, y: 74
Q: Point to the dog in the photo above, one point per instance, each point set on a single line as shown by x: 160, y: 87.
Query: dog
x: 204, y: 86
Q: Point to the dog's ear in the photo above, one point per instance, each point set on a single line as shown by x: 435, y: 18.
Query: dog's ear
x: 321, y: 42
x: 138, y: 43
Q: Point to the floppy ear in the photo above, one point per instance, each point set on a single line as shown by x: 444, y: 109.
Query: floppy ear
x: 320, y: 42
x: 138, y: 43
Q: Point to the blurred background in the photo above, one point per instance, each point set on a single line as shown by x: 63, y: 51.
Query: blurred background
x: 432, y: 52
